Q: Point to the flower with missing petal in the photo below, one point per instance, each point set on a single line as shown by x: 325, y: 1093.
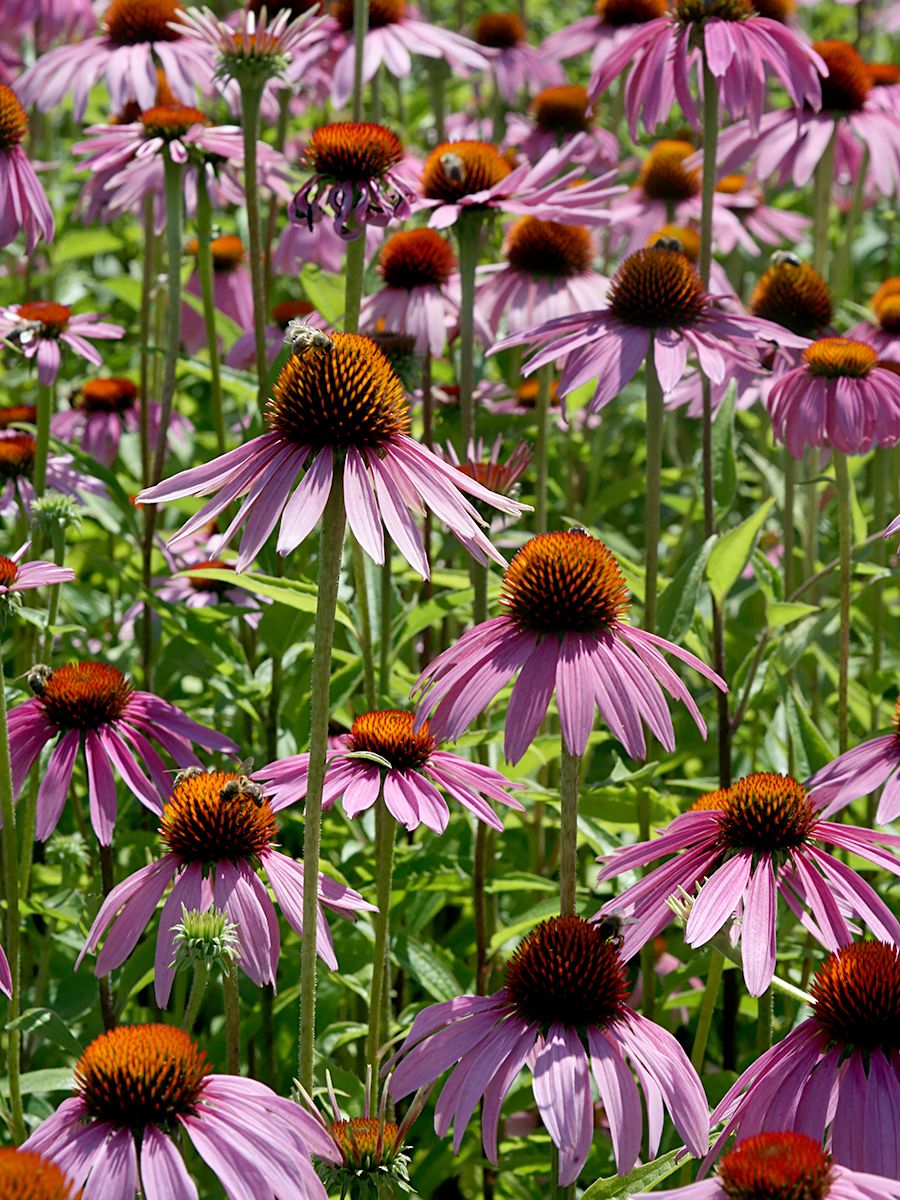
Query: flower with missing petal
x: 135, y: 39
x: 23, y: 202
x: 38, y: 328
x: 216, y: 832
x: 745, y: 846
x: 655, y: 300
x: 141, y: 1089
x: 740, y: 48
x: 563, y: 1011
x: 836, y: 1076
x: 562, y: 631
x: 841, y: 397
x: 337, y: 415
x: 93, y: 708
x: 859, y: 772
x: 354, y: 178
x: 782, y: 1166
x: 412, y: 773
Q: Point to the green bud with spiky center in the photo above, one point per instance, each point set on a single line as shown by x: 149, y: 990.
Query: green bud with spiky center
x: 205, y: 938
x: 54, y: 512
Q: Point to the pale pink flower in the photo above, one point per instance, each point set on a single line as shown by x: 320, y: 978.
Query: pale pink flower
x: 555, y: 116
x: 604, y: 30
x: 214, y: 841
x: 23, y: 202
x: 103, y: 409
x: 343, y: 415
x: 140, y: 1090
x: 38, y: 328
x: 232, y: 291
x: 563, y: 1013
x: 562, y: 632
x: 514, y: 65
x: 743, y: 847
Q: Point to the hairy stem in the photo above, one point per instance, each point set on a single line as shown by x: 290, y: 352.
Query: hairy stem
x: 205, y: 271
x: 251, y: 95
x: 842, y: 478
x: 378, y: 1000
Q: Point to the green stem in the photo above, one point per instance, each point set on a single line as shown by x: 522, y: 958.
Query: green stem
x: 822, y: 184
x: 205, y: 271
x: 790, y: 476
x: 385, y: 612
x: 365, y: 621
x: 723, y: 945
x: 764, y: 1015
x: 355, y: 268
x: 845, y: 538
x: 648, y: 957
x: 707, y: 1009
x: 654, y: 488
x: 468, y: 232
x: 842, y: 263
x: 710, y: 149
x: 148, y: 272
x: 13, y: 950
x: 881, y: 470
x: 479, y: 882
x: 195, y: 999
x: 569, y: 774
x: 107, y: 883
x: 378, y: 1000
x: 46, y: 402
x: 360, y: 29
x: 251, y: 95
x: 542, y: 445
x: 330, y: 552
x: 232, y: 1006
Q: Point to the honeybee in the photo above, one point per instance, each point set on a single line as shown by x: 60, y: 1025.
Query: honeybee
x: 302, y: 338
x: 786, y: 258
x: 242, y: 788
x: 185, y: 774
x: 454, y: 167
x: 37, y: 678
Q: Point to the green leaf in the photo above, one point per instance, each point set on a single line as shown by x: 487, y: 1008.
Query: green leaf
x: 678, y: 603
x: 784, y: 612
x: 51, y: 1026
x: 639, y: 1180
x: 85, y: 243
x: 289, y: 592
x: 434, y: 975
x: 729, y: 555
x: 52, y: 1079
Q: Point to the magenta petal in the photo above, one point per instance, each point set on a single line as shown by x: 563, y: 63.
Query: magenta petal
x: 758, y: 928
x: 717, y: 900
x: 164, y: 1175
x: 562, y: 1089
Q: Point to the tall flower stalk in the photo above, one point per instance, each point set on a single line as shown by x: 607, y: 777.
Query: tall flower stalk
x: 842, y: 480
x: 379, y: 998
x: 331, y: 547
x: 11, y: 883
x: 251, y: 97
x: 205, y: 271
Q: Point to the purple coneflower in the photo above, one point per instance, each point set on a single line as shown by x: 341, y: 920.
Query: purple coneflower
x: 515, y: 66
x: 485, y: 464
x: 354, y: 178
x: 17, y: 455
x: 792, y: 141
x: 655, y: 300
x: 754, y: 220
x: 136, y: 38
x: 18, y: 576
x: 127, y: 162
x: 138, y: 1087
x: 782, y: 1166
x: 564, y: 596
x: 739, y: 48
x: 555, y: 116
x: 421, y: 294
x: 94, y: 707
x: 836, y: 1076
x: 216, y: 828
x: 339, y: 412
x: 464, y: 175
x: 411, y: 785
x: 859, y: 772
x: 48, y: 21
x: 394, y: 34
x: 23, y: 1173
x: 563, y: 1010
x: 613, y: 23
x: 102, y: 410
x: 757, y: 840
x: 885, y: 335
x: 38, y: 327
x: 23, y: 203
x: 841, y: 397
x: 232, y: 290
x: 549, y: 273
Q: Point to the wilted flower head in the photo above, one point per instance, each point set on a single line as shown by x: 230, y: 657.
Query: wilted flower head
x: 354, y: 178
